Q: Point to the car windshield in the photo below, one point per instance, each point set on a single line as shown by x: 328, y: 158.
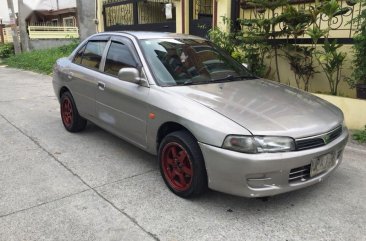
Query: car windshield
x: 191, y: 61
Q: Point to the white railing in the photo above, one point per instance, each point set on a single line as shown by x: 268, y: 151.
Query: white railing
x: 52, y: 32
x: 8, y: 35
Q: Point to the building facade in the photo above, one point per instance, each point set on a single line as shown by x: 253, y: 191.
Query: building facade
x: 182, y: 16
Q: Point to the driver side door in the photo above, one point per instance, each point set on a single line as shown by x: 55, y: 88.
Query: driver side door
x: 121, y: 106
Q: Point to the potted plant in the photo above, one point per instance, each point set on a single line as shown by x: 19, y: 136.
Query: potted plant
x: 359, y: 62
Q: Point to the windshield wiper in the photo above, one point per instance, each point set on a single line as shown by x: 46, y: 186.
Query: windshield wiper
x: 231, y: 78
x: 190, y: 82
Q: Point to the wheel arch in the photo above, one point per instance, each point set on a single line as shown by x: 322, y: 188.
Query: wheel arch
x: 63, y: 90
x: 169, y: 127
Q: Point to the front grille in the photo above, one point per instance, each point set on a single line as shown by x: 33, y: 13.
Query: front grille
x: 335, y: 134
x: 309, y: 143
x: 317, y: 141
x: 299, y: 174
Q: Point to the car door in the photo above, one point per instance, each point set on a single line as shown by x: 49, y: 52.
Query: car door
x: 84, y: 73
x: 121, y: 106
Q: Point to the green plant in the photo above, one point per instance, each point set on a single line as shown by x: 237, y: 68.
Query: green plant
x: 222, y: 39
x: 302, y: 64
x: 253, y: 41
x: 6, y: 50
x: 40, y: 61
x: 331, y: 61
x: 330, y: 58
x: 295, y: 22
x: 266, y: 29
x: 360, y: 136
x: 244, y: 50
x: 359, y: 47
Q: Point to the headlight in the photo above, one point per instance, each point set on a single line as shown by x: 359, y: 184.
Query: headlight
x: 259, y: 144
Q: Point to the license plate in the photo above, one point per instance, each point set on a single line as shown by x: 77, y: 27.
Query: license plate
x: 322, y: 163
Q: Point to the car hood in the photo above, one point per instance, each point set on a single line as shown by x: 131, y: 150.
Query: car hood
x: 266, y: 108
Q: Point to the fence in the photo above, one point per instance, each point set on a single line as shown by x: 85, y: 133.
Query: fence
x: 8, y: 35
x: 52, y: 32
x: 341, y: 27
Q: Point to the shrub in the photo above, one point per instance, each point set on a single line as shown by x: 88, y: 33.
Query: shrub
x: 6, y: 50
x: 360, y: 136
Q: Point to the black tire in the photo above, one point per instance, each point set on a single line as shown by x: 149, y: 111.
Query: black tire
x: 175, y: 168
x: 70, y: 117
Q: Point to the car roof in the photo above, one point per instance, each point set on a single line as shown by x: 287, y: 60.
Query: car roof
x: 152, y: 35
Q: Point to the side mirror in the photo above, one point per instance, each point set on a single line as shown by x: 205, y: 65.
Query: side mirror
x: 131, y: 75
x: 245, y: 65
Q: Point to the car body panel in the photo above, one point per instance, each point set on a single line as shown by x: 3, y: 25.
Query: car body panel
x: 266, y: 108
x: 207, y: 126
x: 121, y: 107
x: 267, y: 174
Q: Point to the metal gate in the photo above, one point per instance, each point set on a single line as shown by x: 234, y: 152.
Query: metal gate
x: 200, y: 15
x: 142, y: 15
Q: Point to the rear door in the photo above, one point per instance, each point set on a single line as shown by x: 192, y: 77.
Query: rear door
x: 84, y: 74
x: 121, y: 106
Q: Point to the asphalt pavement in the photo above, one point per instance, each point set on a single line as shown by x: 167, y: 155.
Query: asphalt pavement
x: 55, y: 185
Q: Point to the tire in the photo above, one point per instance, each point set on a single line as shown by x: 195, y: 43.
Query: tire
x: 182, y: 165
x: 70, y: 117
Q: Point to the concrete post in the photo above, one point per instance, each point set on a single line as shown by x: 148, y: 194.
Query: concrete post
x: 14, y: 29
x: 22, y: 15
x: 86, y: 15
x: 1, y: 31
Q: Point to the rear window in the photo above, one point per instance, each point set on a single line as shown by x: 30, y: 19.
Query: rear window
x: 91, y: 54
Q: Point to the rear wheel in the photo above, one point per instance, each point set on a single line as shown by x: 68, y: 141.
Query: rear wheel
x: 71, y: 119
x: 182, y: 165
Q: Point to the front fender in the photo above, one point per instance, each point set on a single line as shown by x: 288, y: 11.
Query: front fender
x: 207, y: 125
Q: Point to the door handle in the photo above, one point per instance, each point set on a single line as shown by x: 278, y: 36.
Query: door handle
x: 101, y: 85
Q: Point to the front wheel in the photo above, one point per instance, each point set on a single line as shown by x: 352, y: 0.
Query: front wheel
x: 181, y: 164
x: 71, y: 119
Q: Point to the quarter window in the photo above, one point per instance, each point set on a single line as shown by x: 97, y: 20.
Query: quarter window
x: 93, y: 54
x: 79, y: 55
x: 118, y: 57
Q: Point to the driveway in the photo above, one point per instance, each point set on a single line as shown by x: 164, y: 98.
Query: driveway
x: 55, y: 185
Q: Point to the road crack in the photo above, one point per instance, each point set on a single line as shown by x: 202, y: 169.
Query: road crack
x: 35, y: 141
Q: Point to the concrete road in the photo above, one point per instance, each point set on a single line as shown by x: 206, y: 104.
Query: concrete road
x: 93, y: 186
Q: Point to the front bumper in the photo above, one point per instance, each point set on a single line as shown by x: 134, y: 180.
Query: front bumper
x: 267, y: 174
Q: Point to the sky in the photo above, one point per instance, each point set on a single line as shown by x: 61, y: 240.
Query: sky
x: 4, y: 14
x: 35, y: 4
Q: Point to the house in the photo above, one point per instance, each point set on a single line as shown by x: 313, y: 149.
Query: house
x: 51, y: 19
x: 184, y: 16
x: 58, y: 17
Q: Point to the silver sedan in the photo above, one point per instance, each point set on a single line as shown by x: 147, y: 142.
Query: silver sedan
x: 211, y: 123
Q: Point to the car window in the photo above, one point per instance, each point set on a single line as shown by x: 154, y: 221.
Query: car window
x: 93, y: 54
x: 119, y: 56
x: 191, y: 61
x: 79, y: 55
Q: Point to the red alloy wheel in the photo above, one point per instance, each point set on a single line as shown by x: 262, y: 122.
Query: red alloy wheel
x: 177, y: 166
x: 67, y: 112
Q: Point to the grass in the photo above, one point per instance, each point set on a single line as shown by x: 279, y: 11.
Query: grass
x: 40, y: 61
x: 360, y: 136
